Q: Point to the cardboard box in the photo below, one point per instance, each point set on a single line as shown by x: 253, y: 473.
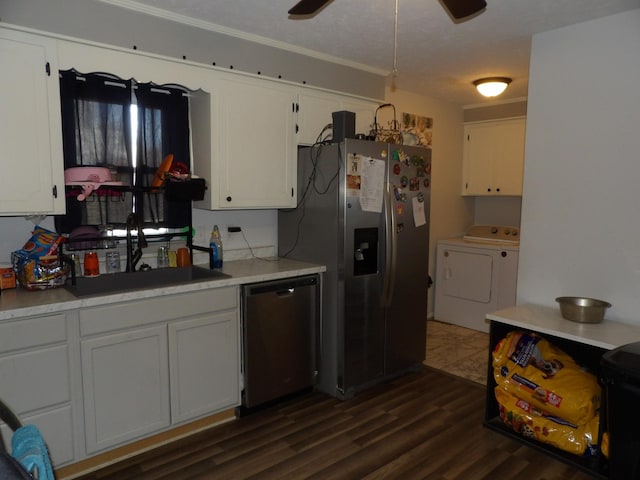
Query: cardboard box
x: 7, y: 278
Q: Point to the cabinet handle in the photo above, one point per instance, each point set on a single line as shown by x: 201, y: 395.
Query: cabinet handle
x: 228, y: 199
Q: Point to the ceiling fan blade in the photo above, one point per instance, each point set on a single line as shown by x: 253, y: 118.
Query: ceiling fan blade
x: 307, y: 7
x: 463, y: 8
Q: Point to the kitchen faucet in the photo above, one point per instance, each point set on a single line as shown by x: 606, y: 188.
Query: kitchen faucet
x: 133, y: 221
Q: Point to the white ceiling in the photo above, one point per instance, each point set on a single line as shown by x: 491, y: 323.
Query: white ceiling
x: 435, y: 56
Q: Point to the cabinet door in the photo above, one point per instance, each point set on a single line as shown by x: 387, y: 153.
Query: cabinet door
x: 508, y: 166
x: 256, y: 144
x: 478, y: 154
x: 126, y: 386
x: 315, y: 111
x: 56, y: 427
x: 30, y: 126
x: 365, y: 112
x: 204, y: 365
x: 493, y: 158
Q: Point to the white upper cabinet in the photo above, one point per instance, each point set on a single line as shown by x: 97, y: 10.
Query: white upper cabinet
x: 493, y: 159
x: 315, y: 109
x: 30, y: 126
x: 253, y: 150
x: 245, y: 129
x: 365, y: 111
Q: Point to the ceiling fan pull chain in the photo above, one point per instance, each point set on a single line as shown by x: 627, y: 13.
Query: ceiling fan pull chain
x: 394, y: 71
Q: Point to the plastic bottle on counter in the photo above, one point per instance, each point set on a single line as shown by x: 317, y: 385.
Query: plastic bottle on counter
x: 215, y: 244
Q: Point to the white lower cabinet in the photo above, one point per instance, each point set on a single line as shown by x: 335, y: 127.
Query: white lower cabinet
x: 125, y: 386
x: 151, y: 364
x: 203, y: 365
x: 35, y: 379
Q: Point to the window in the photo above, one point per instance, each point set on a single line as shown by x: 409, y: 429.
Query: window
x: 130, y: 128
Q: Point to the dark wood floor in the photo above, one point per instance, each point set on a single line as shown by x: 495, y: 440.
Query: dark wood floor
x: 426, y: 425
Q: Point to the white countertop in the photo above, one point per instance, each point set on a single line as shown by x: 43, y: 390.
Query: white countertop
x: 19, y: 302
x: 543, y: 319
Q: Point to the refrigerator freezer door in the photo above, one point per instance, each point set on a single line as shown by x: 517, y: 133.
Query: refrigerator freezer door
x: 406, y: 315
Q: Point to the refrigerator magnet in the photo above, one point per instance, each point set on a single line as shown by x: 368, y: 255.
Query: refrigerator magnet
x: 404, y: 181
x: 427, y: 182
x: 400, y: 209
x: 397, y: 169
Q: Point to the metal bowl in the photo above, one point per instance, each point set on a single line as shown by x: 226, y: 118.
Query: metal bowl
x: 582, y: 309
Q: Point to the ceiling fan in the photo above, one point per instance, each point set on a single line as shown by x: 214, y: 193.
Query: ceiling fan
x: 457, y: 8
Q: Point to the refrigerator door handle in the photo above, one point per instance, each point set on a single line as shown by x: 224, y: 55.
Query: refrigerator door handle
x: 390, y: 249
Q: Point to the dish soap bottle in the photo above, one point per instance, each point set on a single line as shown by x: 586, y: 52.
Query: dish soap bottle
x: 215, y: 244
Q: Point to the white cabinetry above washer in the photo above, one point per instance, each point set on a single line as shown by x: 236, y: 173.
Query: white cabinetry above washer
x: 493, y: 159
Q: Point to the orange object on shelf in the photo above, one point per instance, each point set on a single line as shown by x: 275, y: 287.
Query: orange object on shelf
x: 158, y: 177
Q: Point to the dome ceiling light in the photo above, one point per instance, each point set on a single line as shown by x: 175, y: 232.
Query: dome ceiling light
x: 492, y: 86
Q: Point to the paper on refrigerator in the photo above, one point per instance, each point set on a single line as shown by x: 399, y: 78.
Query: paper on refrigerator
x: 372, y: 173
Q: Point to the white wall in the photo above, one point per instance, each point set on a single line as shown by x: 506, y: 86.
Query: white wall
x: 451, y: 213
x: 581, y: 207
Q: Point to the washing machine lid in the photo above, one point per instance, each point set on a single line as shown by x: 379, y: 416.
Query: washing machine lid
x: 493, y: 234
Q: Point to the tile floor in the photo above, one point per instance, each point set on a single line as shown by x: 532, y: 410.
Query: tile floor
x: 457, y: 350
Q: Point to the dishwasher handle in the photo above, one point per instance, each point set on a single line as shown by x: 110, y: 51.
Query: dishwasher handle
x: 280, y: 287
x: 285, y: 293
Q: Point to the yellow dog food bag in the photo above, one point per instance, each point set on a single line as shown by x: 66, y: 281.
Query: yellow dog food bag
x: 532, y: 369
x: 530, y: 422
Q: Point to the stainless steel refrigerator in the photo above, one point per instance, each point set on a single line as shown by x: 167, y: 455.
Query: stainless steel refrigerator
x: 363, y: 211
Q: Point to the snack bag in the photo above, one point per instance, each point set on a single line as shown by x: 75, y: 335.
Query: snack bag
x: 42, y: 243
x: 530, y: 368
x: 530, y: 422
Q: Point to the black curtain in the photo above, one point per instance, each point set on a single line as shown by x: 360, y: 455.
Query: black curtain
x: 97, y: 124
x: 96, y: 131
x: 163, y: 129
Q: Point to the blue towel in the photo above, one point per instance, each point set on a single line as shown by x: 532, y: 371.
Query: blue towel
x: 29, y: 449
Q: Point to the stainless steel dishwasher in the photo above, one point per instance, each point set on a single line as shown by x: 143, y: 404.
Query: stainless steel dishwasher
x: 279, y: 331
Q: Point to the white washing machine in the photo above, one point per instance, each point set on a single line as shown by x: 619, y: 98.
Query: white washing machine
x: 476, y: 274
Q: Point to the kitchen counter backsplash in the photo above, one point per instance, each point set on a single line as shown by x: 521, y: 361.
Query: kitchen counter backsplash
x: 20, y: 302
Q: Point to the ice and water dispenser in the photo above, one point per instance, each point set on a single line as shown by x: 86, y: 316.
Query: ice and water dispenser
x: 365, y: 248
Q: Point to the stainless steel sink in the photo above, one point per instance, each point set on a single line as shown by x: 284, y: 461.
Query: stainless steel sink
x: 123, y: 282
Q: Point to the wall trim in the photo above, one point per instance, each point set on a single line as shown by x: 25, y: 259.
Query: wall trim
x: 194, y: 22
